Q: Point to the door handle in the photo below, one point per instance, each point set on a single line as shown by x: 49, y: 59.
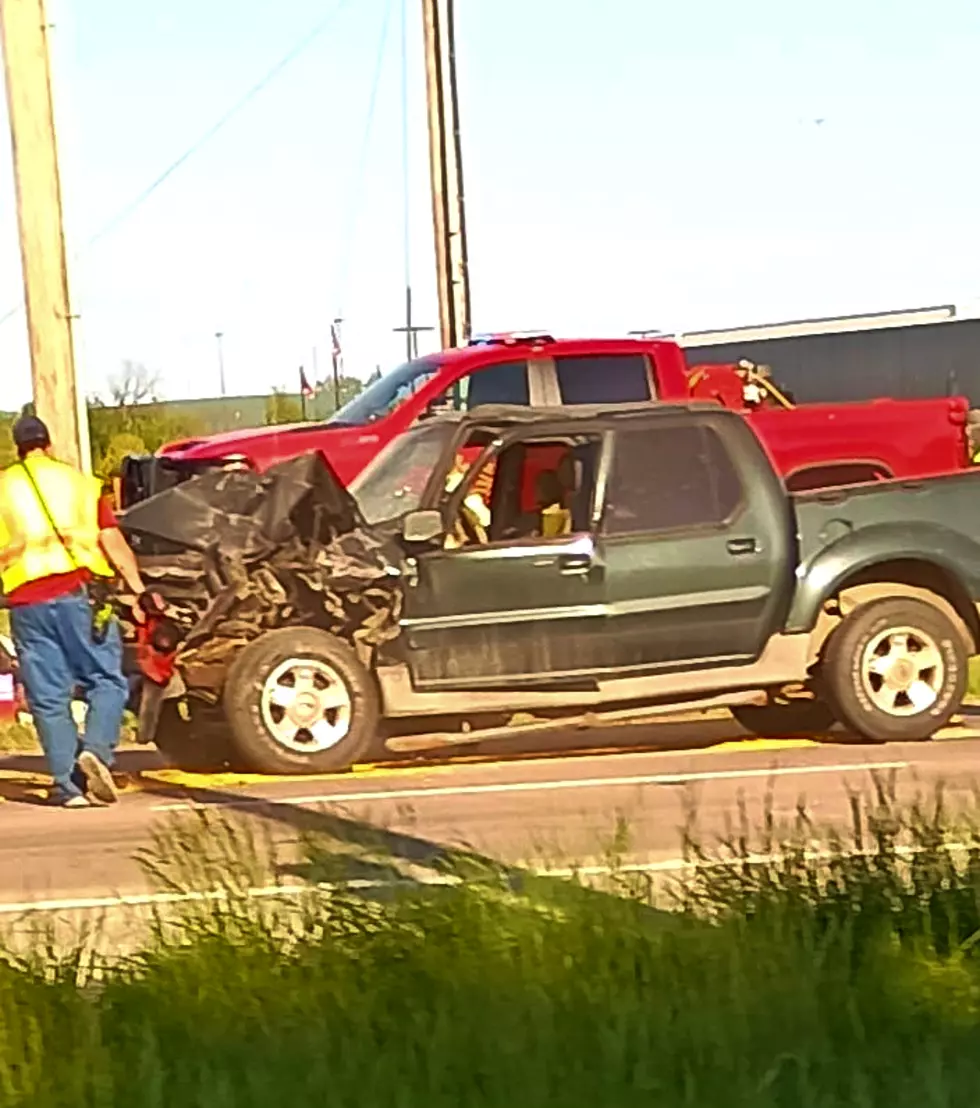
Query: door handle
x: 742, y: 546
x: 575, y: 564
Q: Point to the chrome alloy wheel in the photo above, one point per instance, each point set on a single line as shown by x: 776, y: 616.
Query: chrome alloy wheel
x: 903, y: 671
x: 306, y: 706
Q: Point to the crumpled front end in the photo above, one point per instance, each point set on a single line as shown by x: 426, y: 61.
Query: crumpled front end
x: 236, y: 554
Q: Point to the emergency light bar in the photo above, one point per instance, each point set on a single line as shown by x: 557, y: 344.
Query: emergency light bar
x: 510, y: 338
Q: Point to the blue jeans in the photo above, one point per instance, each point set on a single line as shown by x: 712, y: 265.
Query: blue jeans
x: 56, y: 654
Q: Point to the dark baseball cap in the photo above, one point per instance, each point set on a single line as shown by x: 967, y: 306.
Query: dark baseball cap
x: 31, y: 431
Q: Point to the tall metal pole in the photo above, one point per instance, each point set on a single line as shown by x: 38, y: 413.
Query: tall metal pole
x: 410, y: 330
x: 219, y: 336
x: 409, y: 334
x: 24, y: 30
x: 446, y: 172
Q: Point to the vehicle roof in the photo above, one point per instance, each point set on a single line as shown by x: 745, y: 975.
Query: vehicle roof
x: 542, y: 343
x: 519, y: 413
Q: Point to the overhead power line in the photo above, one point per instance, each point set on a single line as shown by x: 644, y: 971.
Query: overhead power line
x: 300, y: 48
x: 140, y: 199
x: 357, y: 191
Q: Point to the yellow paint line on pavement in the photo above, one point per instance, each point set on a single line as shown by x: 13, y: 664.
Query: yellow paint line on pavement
x: 24, y: 777
x: 754, y: 745
x: 20, y: 785
x: 959, y: 731
x: 435, y: 791
x: 231, y: 780
x: 186, y: 779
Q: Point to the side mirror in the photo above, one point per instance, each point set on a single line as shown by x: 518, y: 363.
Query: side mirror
x: 422, y: 526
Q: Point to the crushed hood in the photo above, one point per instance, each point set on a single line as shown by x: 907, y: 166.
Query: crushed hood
x: 246, y: 514
x: 236, y: 554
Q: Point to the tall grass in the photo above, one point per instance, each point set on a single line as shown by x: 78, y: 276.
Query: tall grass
x: 841, y: 980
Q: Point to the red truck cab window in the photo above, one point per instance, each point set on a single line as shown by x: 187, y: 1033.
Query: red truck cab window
x: 605, y: 379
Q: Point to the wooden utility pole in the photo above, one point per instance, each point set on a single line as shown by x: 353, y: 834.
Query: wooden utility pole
x: 24, y: 31
x: 446, y: 169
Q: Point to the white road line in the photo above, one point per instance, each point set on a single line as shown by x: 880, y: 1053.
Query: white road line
x: 664, y: 866
x: 145, y: 900
x: 422, y: 793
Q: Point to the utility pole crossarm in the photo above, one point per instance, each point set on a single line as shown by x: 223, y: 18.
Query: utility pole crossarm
x: 24, y: 30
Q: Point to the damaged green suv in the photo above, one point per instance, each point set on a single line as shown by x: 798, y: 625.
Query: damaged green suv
x: 579, y: 563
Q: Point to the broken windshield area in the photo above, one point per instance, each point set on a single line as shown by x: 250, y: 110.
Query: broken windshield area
x: 387, y: 393
x: 394, y: 482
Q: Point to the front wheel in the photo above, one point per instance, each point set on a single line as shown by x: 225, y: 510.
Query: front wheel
x: 298, y: 700
x: 785, y: 720
x: 896, y: 670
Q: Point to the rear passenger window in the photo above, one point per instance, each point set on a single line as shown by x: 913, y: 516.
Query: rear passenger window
x: 607, y: 379
x: 503, y: 383
x: 669, y: 478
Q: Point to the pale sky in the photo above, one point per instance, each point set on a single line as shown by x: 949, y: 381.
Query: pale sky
x: 627, y: 164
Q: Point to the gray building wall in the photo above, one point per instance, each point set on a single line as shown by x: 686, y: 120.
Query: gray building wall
x: 934, y: 359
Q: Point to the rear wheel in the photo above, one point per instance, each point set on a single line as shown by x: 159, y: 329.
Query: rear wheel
x: 785, y: 719
x: 298, y: 700
x: 897, y: 669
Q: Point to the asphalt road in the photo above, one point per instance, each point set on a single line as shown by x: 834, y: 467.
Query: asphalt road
x: 555, y: 805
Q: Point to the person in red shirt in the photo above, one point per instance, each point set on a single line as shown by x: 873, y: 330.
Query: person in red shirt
x: 59, y: 538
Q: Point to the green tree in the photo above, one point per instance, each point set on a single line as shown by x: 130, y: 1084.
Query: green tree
x: 282, y: 408
x: 8, y: 452
x: 109, y: 464
x: 132, y: 421
x: 323, y: 405
x: 8, y: 455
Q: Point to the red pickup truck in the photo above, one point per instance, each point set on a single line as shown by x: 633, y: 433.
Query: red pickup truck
x: 813, y: 446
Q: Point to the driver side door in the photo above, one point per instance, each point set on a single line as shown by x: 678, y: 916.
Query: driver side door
x: 518, y: 609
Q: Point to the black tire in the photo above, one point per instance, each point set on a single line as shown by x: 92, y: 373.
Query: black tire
x: 851, y: 684
x: 256, y: 666
x: 198, y: 745
x: 790, y: 719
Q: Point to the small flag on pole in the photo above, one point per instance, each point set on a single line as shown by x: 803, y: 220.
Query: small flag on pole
x: 305, y: 388
x: 335, y: 343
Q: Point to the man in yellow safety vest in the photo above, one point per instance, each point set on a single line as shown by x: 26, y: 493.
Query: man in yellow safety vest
x: 60, y: 545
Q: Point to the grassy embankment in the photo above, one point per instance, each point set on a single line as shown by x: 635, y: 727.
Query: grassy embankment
x: 794, y: 983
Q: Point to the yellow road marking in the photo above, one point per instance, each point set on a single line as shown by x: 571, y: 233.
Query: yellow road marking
x: 231, y: 780
x: 189, y: 780
x: 24, y: 784
x: 564, y: 784
x: 735, y: 745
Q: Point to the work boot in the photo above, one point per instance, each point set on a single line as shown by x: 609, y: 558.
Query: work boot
x: 98, y: 780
